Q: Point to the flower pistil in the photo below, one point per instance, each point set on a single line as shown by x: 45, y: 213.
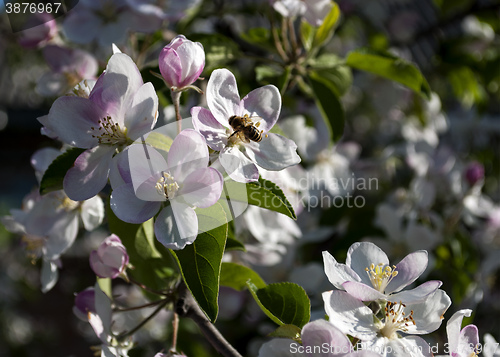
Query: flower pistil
x: 109, y: 132
x: 396, y: 319
x: 167, y: 186
x: 379, y: 276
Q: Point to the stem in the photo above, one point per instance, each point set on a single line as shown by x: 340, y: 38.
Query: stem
x: 187, y: 307
x: 284, y: 36
x: 176, y: 96
x: 149, y: 304
x: 293, y: 38
x: 143, y: 322
x: 278, y: 44
x: 175, y: 325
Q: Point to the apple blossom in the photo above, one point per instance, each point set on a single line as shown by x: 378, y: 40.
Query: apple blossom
x: 354, y: 318
x: 84, y: 302
x: 39, y: 29
x: 119, y: 109
x: 183, y: 181
x: 110, y: 259
x: 181, y: 62
x: 239, y: 156
x: 367, y: 274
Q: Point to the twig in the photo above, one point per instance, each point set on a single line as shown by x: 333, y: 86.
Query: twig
x: 187, y: 307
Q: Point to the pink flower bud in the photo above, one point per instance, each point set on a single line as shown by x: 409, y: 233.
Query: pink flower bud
x: 181, y: 62
x: 474, y: 172
x: 84, y: 302
x: 110, y: 259
x: 39, y: 29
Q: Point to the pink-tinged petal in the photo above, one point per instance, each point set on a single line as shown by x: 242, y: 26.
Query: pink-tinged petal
x: 202, y: 188
x: 170, y: 66
x: 274, y: 152
x: 119, y: 170
x: 205, y: 123
x: 263, y: 102
x: 453, y: 327
x: 362, y: 291
x: 127, y: 207
x: 116, y: 87
x: 100, y: 269
x: 176, y: 225
x: 338, y: 273
x: 222, y: 96
x: 350, y: 315
x: 49, y: 275
x: 89, y: 174
x: 409, y: 269
x: 140, y: 117
x: 61, y: 236
x: 81, y: 25
x: 237, y: 165
x: 418, y: 294
x: 468, y: 340
x: 361, y: 255
x: 429, y: 313
x: 193, y: 61
x: 115, y: 32
x: 146, y: 167
x: 71, y: 119
x: 318, y: 332
x: 188, y: 152
x: 280, y: 347
x: 147, y: 21
x: 92, y: 213
x: 52, y: 84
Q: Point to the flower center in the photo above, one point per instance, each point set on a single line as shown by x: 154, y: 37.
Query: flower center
x: 381, y: 276
x: 166, y: 186
x: 68, y: 204
x: 109, y: 132
x: 396, y: 319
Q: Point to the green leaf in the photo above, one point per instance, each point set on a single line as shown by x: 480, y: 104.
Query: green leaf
x: 258, y: 36
x: 53, y: 177
x: 286, y: 331
x: 219, y: 50
x: 268, y: 74
x: 200, y: 262
x: 390, y: 67
x: 284, y: 303
x: 151, y: 268
x: 326, y: 96
x: 466, y: 86
x: 325, y: 31
x: 333, y: 69
x: 236, y: 276
x: 262, y: 193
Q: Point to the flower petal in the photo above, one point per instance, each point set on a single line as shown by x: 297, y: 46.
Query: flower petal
x: 350, y: 315
x: 61, y: 236
x: 409, y: 269
x: 119, y: 170
x: 202, y: 188
x: 453, y: 328
x: 428, y: 314
x: 419, y: 293
x: 280, y: 347
x: 71, y: 119
x: 338, y: 273
x: 192, y: 68
x: 188, y: 152
x: 102, y: 270
x: 413, y: 346
x: 362, y: 291
x: 81, y: 25
x: 49, y: 275
x: 127, y: 207
x: 170, y: 65
x: 263, y: 102
x: 237, y: 165
x: 176, y: 225
x: 321, y: 332
x: 468, y: 340
x: 274, y: 152
x: 205, y: 123
x: 89, y: 174
x: 141, y: 116
x: 222, y: 96
x: 361, y: 255
x: 92, y: 213
x: 116, y: 87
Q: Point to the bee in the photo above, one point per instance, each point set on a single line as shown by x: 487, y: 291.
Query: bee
x: 244, y: 125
